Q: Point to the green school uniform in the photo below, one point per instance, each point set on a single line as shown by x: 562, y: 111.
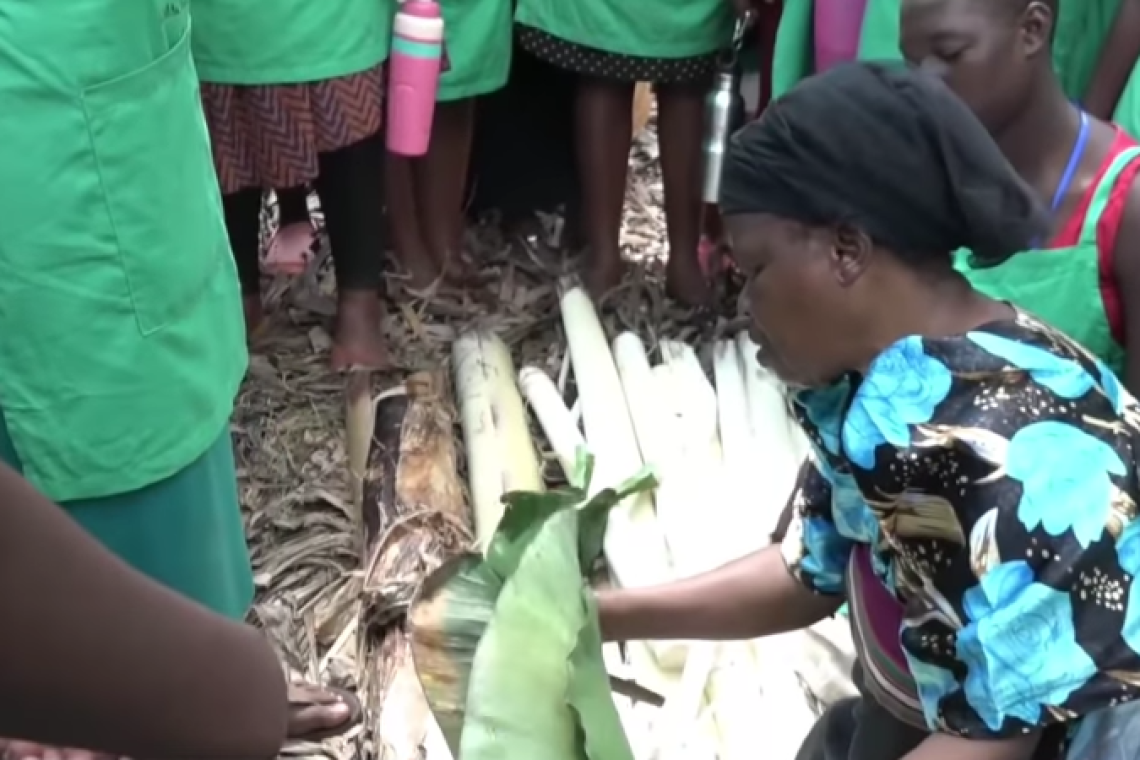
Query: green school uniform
x: 477, y: 36
x: 795, y: 50
x: 252, y: 42
x: 647, y: 28
x: 1062, y: 286
x: 1082, y: 29
x: 121, y: 332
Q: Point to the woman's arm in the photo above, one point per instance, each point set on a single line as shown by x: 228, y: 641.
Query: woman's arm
x: 946, y: 747
x: 1121, y: 50
x: 98, y: 656
x: 761, y: 594
x: 753, y: 596
x: 1126, y: 270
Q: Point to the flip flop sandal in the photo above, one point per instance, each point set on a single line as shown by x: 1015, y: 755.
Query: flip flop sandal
x: 355, y: 715
x: 290, y: 250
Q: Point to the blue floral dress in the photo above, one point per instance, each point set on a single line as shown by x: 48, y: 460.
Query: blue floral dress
x: 993, y: 476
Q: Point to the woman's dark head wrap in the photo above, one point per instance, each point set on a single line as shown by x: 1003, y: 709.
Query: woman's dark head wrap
x: 888, y: 150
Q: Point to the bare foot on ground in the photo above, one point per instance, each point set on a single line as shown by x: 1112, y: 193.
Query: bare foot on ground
x: 601, y: 276
x: 254, y: 315
x: 358, y: 339
x: 685, y: 281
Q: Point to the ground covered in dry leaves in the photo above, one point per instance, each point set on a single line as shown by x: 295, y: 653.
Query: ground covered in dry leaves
x: 289, y: 424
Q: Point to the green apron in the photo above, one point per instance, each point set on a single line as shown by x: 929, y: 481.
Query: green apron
x: 647, y: 28
x: 1082, y: 28
x: 477, y: 36
x: 121, y: 335
x: 794, y: 57
x: 1127, y: 113
x: 1062, y: 286
x: 288, y: 41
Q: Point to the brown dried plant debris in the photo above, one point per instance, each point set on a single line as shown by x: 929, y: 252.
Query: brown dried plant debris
x: 313, y: 600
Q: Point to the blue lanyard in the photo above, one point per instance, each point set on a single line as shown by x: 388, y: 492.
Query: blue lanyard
x: 1070, y: 169
x: 1074, y: 162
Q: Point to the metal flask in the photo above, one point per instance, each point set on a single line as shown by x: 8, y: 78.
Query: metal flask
x: 724, y: 113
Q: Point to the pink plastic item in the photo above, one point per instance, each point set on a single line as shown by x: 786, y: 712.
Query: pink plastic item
x: 413, y: 76
x: 838, y: 25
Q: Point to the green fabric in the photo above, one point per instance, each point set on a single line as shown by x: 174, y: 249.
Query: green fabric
x: 1062, y: 286
x: 288, y: 41
x: 121, y: 335
x: 185, y: 531
x: 1082, y: 28
x: 477, y: 36
x: 649, y: 28
x: 1127, y: 113
x: 794, y: 56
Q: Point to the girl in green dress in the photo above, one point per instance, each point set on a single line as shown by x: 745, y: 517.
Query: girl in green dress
x: 305, y: 104
x: 612, y: 45
x: 121, y: 335
x: 425, y: 195
x: 996, y: 57
x: 878, y: 39
x: 1099, y: 44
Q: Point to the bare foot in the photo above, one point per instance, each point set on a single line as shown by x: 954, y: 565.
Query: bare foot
x: 602, y: 276
x: 254, y: 315
x: 459, y: 271
x: 685, y: 281
x: 290, y: 250
x: 316, y: 713
x: 422, y: 272
x: 419, y: 264
x: 18, y: 750
x: 358, y: 340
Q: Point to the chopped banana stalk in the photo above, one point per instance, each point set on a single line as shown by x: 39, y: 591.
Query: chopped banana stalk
x: 642, y: 399
x: 500, y: 454
x: 555, y: 419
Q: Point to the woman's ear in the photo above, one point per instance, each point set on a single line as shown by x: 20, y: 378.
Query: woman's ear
x: 851, y: 253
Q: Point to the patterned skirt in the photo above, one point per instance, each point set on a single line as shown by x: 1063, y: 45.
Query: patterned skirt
x: 582, y: 59
x: 269, y: 136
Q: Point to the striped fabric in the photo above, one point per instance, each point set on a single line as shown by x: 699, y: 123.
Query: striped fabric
x: 269, y: 136
x: 876, y: 617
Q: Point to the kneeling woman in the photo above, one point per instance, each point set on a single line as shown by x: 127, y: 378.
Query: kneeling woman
x: 296, y: 95
x: 973, y: 482
x: 996, y: 56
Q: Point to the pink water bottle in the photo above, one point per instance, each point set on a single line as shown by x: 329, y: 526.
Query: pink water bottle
x: 838, y: 27
x: 413, y: 76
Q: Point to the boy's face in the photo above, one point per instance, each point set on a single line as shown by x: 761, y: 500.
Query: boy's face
x: 985, y: 50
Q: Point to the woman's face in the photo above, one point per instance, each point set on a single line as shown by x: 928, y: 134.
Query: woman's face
x: 982, y: 49
x: 803, y: 313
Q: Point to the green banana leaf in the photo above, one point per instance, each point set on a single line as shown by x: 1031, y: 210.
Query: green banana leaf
x: 507, y: 645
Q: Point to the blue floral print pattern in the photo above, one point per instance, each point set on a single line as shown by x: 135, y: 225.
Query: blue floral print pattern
x: 1062, y: 375
x: 1057, y: 465
x: 1020, y: 646
x: 1128, y: 549
x: 993, y: 476
x: 902, y: 388
x: 1110, y: 385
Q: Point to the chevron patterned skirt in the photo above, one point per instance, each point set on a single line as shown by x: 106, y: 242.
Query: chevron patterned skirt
x: 269, y: 136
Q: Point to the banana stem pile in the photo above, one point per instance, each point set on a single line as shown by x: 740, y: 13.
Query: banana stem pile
x: 725, y: 455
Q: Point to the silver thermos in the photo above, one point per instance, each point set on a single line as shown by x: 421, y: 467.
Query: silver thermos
x: 724, y: 112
